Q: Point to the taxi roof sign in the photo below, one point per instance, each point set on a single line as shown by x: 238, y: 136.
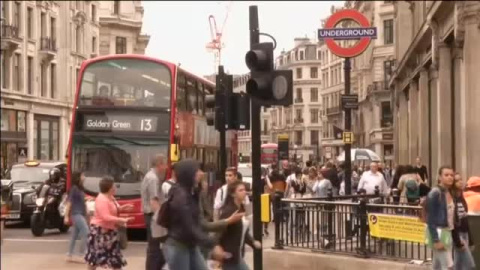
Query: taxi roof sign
x: 32, y: 163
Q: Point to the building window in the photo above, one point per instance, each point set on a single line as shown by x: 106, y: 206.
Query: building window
x: 299, y: 73
x: 387, y: 71
x: 314, y: 116
x: 302, y: 55
x: 30, y: 75
x: 94, y: 13
x: 313, y: 72
x: 4, y: 68
x: 46, y: 143
x: 30, y: 22
x: 299, y: 95
x: 43, y: 25
x: 43, y: 81
x: 314, y: 137
x: 94, y: 44
x: 17, y: 72
x: 299, y: 115
x: 16, y: 16
x: 53, y: 28
x: 388, y: 31
x: 116, y: 7
x: 298, y: 137
x: 120, y: 45
x: 387, y: 116
x: 53, y: 80
x: 314, y: 94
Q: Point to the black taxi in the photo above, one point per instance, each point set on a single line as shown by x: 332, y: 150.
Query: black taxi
x: 26, y: 178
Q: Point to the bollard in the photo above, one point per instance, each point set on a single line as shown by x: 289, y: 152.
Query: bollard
x: 330, y: 208
x: 278, y: 220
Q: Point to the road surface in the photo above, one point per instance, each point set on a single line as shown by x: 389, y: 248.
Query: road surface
x: 22, y: 251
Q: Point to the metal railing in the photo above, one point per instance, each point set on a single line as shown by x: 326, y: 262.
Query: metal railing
x: 339, y: 224
x: 333, y: 110
x: 10, y: 31
x: 48, y: 44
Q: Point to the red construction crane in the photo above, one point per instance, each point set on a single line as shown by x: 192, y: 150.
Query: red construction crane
x: 216, y: 45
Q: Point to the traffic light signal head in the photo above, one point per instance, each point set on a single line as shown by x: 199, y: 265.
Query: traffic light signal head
x: 210, y: 104
x: 271, y: 87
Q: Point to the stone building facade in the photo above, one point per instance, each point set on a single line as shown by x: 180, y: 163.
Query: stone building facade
x: 435, y: 84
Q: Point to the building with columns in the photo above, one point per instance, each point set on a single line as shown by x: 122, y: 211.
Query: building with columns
x: 43, y: 44
x: 371, y: 71
x: 435, y: 84
x: 120, y: 28
x: 301, y: 121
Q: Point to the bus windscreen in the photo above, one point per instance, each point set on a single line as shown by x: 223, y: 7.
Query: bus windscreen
x: 125, y: 159
x: 126, y: 82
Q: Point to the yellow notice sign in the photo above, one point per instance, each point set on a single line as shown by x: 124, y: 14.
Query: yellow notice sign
x: 397, y: 227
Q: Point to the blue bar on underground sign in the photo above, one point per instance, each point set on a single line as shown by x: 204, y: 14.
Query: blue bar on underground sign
x: 348, y: 33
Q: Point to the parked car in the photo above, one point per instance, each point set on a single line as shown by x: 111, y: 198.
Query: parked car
x: 26, y: 178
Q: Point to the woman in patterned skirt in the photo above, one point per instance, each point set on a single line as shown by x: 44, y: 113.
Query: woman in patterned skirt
x: 103, y: 245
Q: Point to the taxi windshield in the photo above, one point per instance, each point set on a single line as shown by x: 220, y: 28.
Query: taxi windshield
x: 28, y: 174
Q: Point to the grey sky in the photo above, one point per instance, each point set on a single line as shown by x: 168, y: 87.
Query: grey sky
x: 180, y: 30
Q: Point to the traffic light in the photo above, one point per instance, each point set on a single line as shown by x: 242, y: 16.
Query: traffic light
x: 270, y: 86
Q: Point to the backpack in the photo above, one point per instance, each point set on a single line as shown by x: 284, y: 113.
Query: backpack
x: 412, y: 190
x: 161, y: 220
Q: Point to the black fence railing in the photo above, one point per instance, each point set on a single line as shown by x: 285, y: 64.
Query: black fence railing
x: 340, y: 225
x: 10, y: 31
x: 48, y: 44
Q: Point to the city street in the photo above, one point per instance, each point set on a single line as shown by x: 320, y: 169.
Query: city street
x: 22, y: 251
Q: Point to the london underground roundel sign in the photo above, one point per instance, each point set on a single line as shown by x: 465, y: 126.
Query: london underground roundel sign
x: 365, y: 33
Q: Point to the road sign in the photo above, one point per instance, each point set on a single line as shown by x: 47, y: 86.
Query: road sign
x: 283, y: 146
x: 347, y: 137
x: 22, y: 152
x: 349, y: 102
x: 365, y: 33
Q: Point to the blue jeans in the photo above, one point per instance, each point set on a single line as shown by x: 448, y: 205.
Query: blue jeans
x: 80, y: 228
x: 241, y: 265
x: 442, y: 259
x: 182, y: 257
x: 463, y: 258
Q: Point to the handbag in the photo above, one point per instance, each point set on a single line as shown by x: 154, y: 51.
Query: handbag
x: 121, y: 232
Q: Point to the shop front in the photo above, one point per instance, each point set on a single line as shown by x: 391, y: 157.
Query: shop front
x: 13, y: 138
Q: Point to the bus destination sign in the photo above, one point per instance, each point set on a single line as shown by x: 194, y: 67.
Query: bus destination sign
x: 127, y: 123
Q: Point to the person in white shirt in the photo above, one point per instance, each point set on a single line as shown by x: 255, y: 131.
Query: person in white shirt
x: 373, y: 178
x: 167, y: 185
x: 221, y: 195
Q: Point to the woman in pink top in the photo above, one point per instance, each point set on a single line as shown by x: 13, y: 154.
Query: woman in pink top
x: 103, y: 245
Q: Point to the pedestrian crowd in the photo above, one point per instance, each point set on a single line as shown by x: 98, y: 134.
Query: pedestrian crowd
x: 187, y: 227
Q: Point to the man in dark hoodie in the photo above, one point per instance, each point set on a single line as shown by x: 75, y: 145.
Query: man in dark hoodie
x: 185, y: 234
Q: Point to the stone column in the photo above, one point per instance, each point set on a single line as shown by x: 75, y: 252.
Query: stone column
x: 422, y: 123
x: 444, y: 106
x: 30, y: 134
x: 471, y: 60
x: 433, y: 76
x: 403, y: 130
x: 459, y: 112
x: 413, y: 121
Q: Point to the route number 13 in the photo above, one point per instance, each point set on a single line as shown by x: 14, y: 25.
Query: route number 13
x: 146, y: 125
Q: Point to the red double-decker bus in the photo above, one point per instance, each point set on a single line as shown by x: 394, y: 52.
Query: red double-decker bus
x: 130, y: 108
x: 269, y: 154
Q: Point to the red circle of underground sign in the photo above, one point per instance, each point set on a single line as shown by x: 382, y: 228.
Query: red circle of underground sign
x: 344, y: 15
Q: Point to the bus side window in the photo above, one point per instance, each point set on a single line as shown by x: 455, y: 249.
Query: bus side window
x: 181, y: 93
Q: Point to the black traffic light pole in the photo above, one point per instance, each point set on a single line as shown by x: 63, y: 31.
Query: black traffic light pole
x: 220, y: 85
x: 256, y: 149
x: 348, y: 127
